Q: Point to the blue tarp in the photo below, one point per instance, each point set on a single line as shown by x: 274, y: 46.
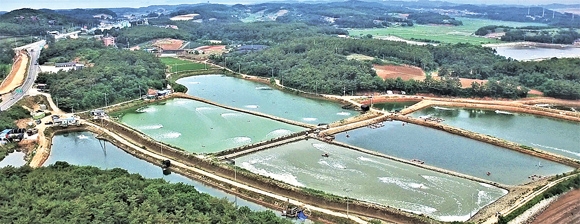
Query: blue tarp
x: 302, y: 216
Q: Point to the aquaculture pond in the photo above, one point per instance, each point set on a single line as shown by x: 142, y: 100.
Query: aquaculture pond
x: 441, y: 149
x: 250, y: 95
x: 83, y: 149
x: 15, y: 159
x: 347, y: 172
x: 556, y: 136
x: 393, y: 106
x: 203, y: 128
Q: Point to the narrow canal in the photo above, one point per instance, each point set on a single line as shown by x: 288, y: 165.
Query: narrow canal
x: 83, y: 149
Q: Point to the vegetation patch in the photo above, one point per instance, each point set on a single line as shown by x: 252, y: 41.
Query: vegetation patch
x: 442, y: 34
x: 562, y: 187
x: 179, y: 65
x: 88, y: 194
x: 115, y: 75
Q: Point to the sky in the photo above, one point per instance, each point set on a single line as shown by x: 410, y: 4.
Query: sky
x: 8, y: 5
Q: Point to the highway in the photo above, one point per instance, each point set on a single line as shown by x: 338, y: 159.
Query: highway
x: 34, y: 51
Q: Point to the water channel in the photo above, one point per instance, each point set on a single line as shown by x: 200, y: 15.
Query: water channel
x: 347, y: 172
x: 15, y: 159
x: 83, y: 149
x: 451, y: 152
x: 245, y: 94
x: 556, y: 136
x: 531, y: 53
x: 203, y: 128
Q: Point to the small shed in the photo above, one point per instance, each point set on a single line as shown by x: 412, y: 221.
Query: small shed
x: 98, y: 112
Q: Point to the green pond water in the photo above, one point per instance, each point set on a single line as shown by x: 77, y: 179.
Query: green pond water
x: 393, y: 106
x: 83, y: 149
x: 203, y: 128
x: 556, y: 136
x: 451, y: 152
x: 350, y: 173
x: 249, y: 95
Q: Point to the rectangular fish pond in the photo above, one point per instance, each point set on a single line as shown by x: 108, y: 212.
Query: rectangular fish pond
x: 552, y: 135
x: 346, y: 172
x: 448, y: 151
x: 250, y: 95
x: 203, y: 128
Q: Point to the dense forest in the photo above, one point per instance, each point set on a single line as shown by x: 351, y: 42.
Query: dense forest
x: 111, y: 75
x: 320, y: 65
x: 26, y: 22
x: 7, y: 117
x: 6, y: 57
x: 230, y: 33
x: 349, y: 14
x: 62, y: 193
x: 545, y: 34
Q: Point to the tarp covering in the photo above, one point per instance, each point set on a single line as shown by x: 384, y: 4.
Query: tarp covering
x: 302, y: 216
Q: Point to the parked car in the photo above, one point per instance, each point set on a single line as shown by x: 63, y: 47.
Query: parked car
x: 38, y: 121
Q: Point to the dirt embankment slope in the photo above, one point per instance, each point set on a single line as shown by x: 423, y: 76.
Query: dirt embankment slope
x: 17, y: 74
x: 565, y: 210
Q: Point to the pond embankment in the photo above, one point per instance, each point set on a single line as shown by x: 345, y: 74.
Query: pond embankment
x: 284, y: 120
x: 203, y: 169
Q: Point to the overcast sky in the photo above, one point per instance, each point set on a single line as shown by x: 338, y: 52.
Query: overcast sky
x: 8, y: 5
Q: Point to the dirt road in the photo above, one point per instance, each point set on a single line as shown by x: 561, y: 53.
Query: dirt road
x: 16, y: 76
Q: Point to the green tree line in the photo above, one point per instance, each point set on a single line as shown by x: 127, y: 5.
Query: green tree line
x: 62, y: 193
x: 110, y: 75
x: 320, y: 65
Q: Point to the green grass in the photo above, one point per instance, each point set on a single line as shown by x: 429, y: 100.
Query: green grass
x: 178, y: 65
x: 443, y: 34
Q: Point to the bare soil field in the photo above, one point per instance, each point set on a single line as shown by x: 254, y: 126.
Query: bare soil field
x: 16, y: 76
x: 183, y: 17
x: 565, y: 210
x: 168, y: 44
x: 466, y: 83
x: 212, y: 48
x: 394, y: 71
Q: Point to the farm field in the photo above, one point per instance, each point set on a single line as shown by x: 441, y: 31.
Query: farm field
x: 443, y: 34
x: 178, y: 65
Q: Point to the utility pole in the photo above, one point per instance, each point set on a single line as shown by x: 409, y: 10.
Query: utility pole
x: 105, y: 99
x: 316, y: 87
x: 140, y: 91
x: 344, y: 91
x: 346, y: 190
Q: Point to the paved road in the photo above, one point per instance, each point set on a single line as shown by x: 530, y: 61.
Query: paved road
x: 33, y: 70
